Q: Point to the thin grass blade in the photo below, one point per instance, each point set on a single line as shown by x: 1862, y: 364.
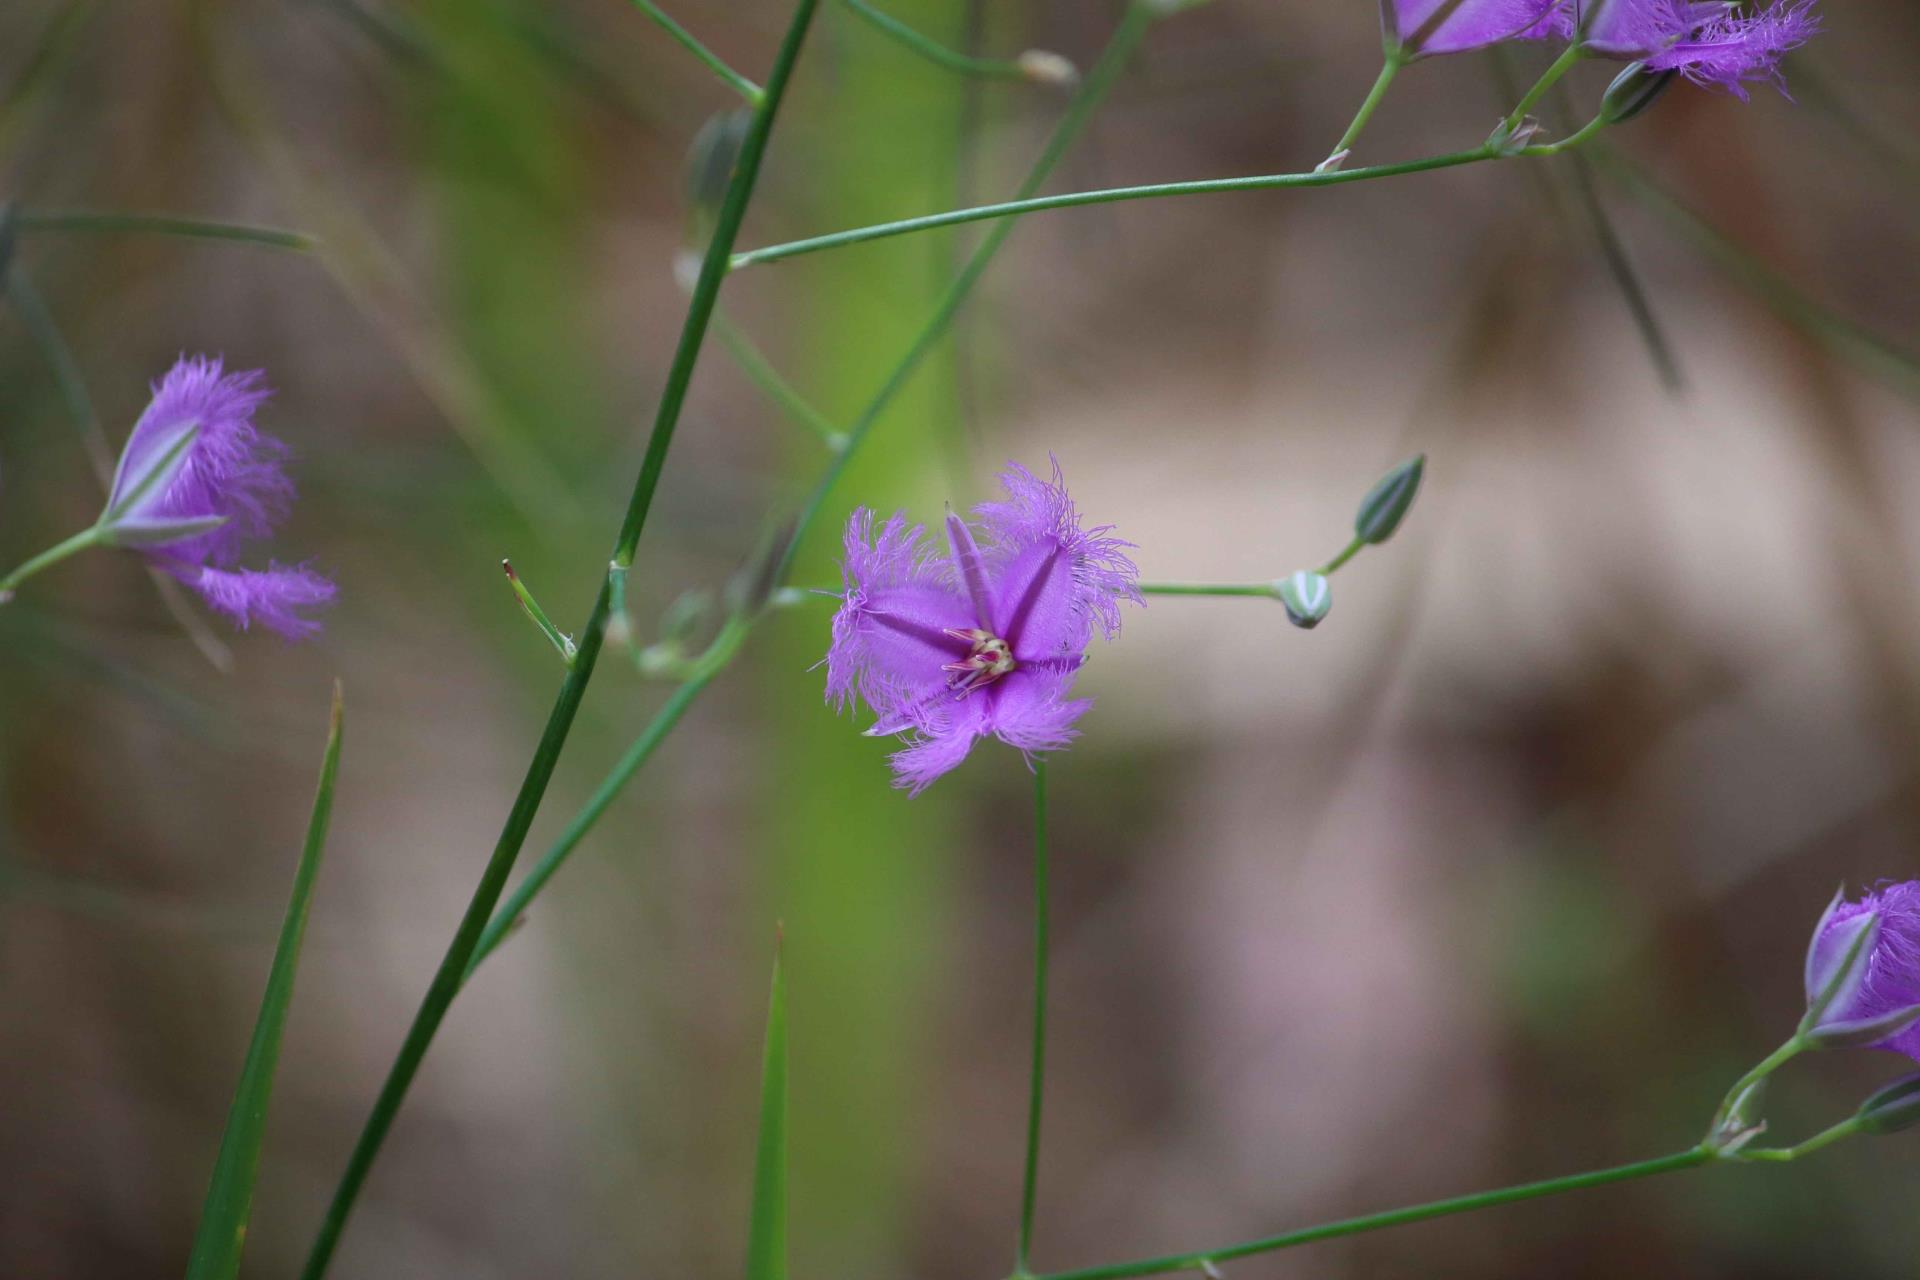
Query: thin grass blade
x: 767, y: 1225
x: 223, y: 1222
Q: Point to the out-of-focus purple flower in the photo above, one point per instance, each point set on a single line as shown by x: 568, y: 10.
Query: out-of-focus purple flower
x: 1889, y: 981
x: 1417, y: 28
x: 1710, y: 44
x: 196, y: 482
x: 983, y: 639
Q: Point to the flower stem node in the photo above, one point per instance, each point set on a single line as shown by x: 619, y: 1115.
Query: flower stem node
x: 1044, y: 67
x: 1893, y: 1108
x: 1742, y: 1122
x: 1387, y: 503
x: 1507, y: 140
x: 1633, y: 91
x: 1333, y: 162
x: 1308, y: 597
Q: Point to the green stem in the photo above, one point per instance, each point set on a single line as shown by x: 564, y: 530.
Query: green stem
x: 454, y: 965
x: 935, y: 52
x: 1110, y: 195
x: 1351, y: 550
x: 746, y: 88
x: 88, y: 537
x: 1826, y: 1137
x: 1762, y: 1069
x: 709, y: 665
x: 1389, y: 68
x: 1568, y: 143
x: 1550, y: 77
x: 1036, y: 1084
x: 762, y: 374
x: 1265, y: 589
x: 157, y: 224
x: 1392, y: 1218
x: 1852, y: 341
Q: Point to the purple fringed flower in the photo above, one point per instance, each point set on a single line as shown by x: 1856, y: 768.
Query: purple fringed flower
x: 1890, y: 981
x: 1418, y: 28
x: 196, y: 482
x: 1710, y: 44
x: 980, y: 640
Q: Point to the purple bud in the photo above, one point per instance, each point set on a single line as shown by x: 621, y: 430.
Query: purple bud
x: 1863, y: 972
x: 1893, y: 1108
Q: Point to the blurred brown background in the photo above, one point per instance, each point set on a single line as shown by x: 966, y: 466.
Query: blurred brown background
x: 1503, y: 872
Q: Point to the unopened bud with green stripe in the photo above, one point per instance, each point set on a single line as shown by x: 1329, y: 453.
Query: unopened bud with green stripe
x: 1386, y: 504
x: 1307, y: 596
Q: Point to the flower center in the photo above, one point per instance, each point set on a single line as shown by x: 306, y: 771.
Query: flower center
x: 988, y: 658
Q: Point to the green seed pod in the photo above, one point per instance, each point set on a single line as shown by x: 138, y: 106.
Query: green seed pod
x: 1307, y: 596
x: 1894, y: 1108
x: 1633, y: 91
x: 1386, y: 504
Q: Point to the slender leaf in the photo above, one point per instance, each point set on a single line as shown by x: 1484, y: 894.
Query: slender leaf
x: 767, y: 1227
x: 223, y: 1222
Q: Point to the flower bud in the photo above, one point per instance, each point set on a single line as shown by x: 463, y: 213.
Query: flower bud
x: 1633, y: 91
x: 1386, y: 504
x: 710, y: 161
x: 1893, y: 1108
x: 1863, y: 972
x: 1307, y: 596
x: 1042, y: 67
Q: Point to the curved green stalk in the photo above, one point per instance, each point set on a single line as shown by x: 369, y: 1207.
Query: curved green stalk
x: 91, y: 536
x: 762, y: 374
x: 163, y: 225
x: 1109, y: 195
x: 1389, y: 68
x: 746, y: 88
x: 1561, y: 65
x: 1844, y: 337
x: 454, y: 964
x: 1036, y: 1083
x: 935, y: 52
x: 1266, y: 589
x: 1204, y: 1259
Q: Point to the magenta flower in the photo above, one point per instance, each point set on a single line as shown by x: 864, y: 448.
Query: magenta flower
x: 196, y: 482
x: 1885, y: 993
x: 1710, y: 44
x: 1417, y: 28
x: 983, y: 640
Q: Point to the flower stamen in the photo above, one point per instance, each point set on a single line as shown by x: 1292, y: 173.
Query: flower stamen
x: 988, y: 658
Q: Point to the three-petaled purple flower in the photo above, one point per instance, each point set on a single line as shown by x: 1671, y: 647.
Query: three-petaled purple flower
x: 196, y: 482
x: 983, y: 639
x: 1711, y: 44
x: 1888, y: 983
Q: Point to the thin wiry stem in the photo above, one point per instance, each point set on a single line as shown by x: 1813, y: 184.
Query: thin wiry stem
x: 1205, y: 1259
x: 1266, y: 589
x: 1036, y: 1083
x: 762, y: 374
x: 734, y: 80
x: 935, y: 52
x: 1110, y: 195
x: 1389, y: 68
x: 454, y: 965
x: 78, y: 222
x: 1846, y: 338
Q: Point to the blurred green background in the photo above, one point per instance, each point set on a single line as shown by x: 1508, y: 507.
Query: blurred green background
x: 1503, y: 872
